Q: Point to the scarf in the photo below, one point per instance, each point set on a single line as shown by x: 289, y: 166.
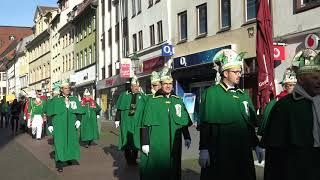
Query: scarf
x: 84, y: 101
x: 315, y: 109
x: 282, y: 94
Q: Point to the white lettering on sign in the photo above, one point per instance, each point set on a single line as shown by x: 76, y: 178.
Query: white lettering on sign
x: 167, y: 49
x: 183, y: 61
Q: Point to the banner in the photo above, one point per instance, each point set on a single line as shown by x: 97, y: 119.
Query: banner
x: 125, y: 68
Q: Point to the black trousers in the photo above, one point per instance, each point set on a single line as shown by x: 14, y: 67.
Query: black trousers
x: 2, y: 119
x: 14, y: 123
x: 130, y: 152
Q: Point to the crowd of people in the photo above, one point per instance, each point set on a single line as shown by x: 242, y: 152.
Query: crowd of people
x: 153, y: 125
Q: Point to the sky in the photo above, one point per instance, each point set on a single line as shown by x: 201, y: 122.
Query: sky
x: 20, y: 12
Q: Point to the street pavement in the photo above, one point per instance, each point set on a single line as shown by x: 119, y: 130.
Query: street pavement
x: 24, y: 158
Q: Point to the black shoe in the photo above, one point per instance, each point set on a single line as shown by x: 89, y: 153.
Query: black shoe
x: 87, y: 146
x: 60, y: 169
x: 69, y: 163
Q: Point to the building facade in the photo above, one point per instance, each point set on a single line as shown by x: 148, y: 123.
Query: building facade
x: 39, y: 50
x: 291, y: 27
x: 200, y: 28
x: 85, y: 52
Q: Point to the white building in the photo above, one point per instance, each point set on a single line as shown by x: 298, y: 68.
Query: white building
x: 291, y: 26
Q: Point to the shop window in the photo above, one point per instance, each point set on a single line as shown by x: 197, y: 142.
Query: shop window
x: 183, y: 26
x: 304, y: 5
x: 225, y: 14
x: 202, y: 19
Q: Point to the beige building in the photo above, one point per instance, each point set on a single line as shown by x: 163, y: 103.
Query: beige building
x: 200, y: 28
x: 291, y: 26
x: 39, y: 49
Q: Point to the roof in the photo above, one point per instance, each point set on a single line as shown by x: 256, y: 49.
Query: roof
x: 44, y: 10
x: 22, y: 44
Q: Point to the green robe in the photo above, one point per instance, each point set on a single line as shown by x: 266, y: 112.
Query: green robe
x: 35, y: 109
x: 49, y: 108
x: 227, y: 131
x: 266, y: 116
x: 164, y: 117
x: 66, y: 141
x: 288, y: 138
x: 130, y: 125
x: 89, y: 126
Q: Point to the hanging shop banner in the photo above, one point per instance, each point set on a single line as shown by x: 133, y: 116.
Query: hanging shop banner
x: 125, y: 68
x: 197, y: 58
x: 279, y: 53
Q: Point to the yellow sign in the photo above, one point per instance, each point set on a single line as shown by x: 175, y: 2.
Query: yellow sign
x: 104, y: 102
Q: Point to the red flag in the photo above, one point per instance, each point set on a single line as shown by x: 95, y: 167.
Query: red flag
x: 265, y: 53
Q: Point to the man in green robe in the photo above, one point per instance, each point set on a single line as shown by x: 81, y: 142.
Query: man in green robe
x: 288, y: 83
x: 155, y: 82
x: 37, y: 108
x: 292, y: 134
x: 130, y: 107
x: 89, y: 126
x: 55, y: 94
x: 64, y: 125
x: 165, y: 117
x: 227, y: 124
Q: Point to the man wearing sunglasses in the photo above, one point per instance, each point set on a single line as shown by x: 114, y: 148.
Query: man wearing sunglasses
x: 227, y: 124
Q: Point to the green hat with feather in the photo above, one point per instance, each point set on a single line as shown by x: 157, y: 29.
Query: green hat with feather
x: 308, y: 61
x: 155, y: 77
x: 64, y: 83
x: 228, y: 59
x: 56, y: 87
x: 166, y: 75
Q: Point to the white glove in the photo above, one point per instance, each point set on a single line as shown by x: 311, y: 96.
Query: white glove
x: 50, y: 129
x: 77, y: 124
x: 145, y: 149
x: 204, y: 158
x: 187, y: 143
x: 117, y: 123
x: 98, y: 116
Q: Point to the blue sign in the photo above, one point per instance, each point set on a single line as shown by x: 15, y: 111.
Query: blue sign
x: 197, y: 58
x: 167, y: 50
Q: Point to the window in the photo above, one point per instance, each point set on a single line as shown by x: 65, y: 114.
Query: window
x: 160, y: 32
x: 202, y: 19
x: 90, y: 55
x: 80, y: 31
x: 84, y: 28
x: 304, y: 5
x: 94, y: 22
x: 110, y: 70
x: 85, y: 59
x: 4, y: 76
x: 183, y: 26
x: 77, y: 34
x: 117, y: 32
x: 103, y: 72
x: 140, y: 40
x: 251, y: 11
x: 109, y: 5
x: 134, y: 42
x: 225, y: 16
x: 94, y: 53
x: 117, y: 13
x: 152, y: 38
x: 139, y: 6
x: 133, y: 7
x: 110, y: 37
x: 90, y: 25
x: 157, y: 1
x: 11, y: 38
x: 77, y: 61
x: 150, y: 3
x: 63, y: 64
x: 81, y: 61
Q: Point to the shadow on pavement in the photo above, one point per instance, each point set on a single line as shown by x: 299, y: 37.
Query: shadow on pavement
x: 122, y: 171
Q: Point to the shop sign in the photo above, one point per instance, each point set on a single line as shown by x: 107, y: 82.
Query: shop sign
x: 197, y: 58
x: 153, y: 64
x: 125, y: 68
x: 279, y: 53
x: 167, y: 50
x: 312, y: 41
